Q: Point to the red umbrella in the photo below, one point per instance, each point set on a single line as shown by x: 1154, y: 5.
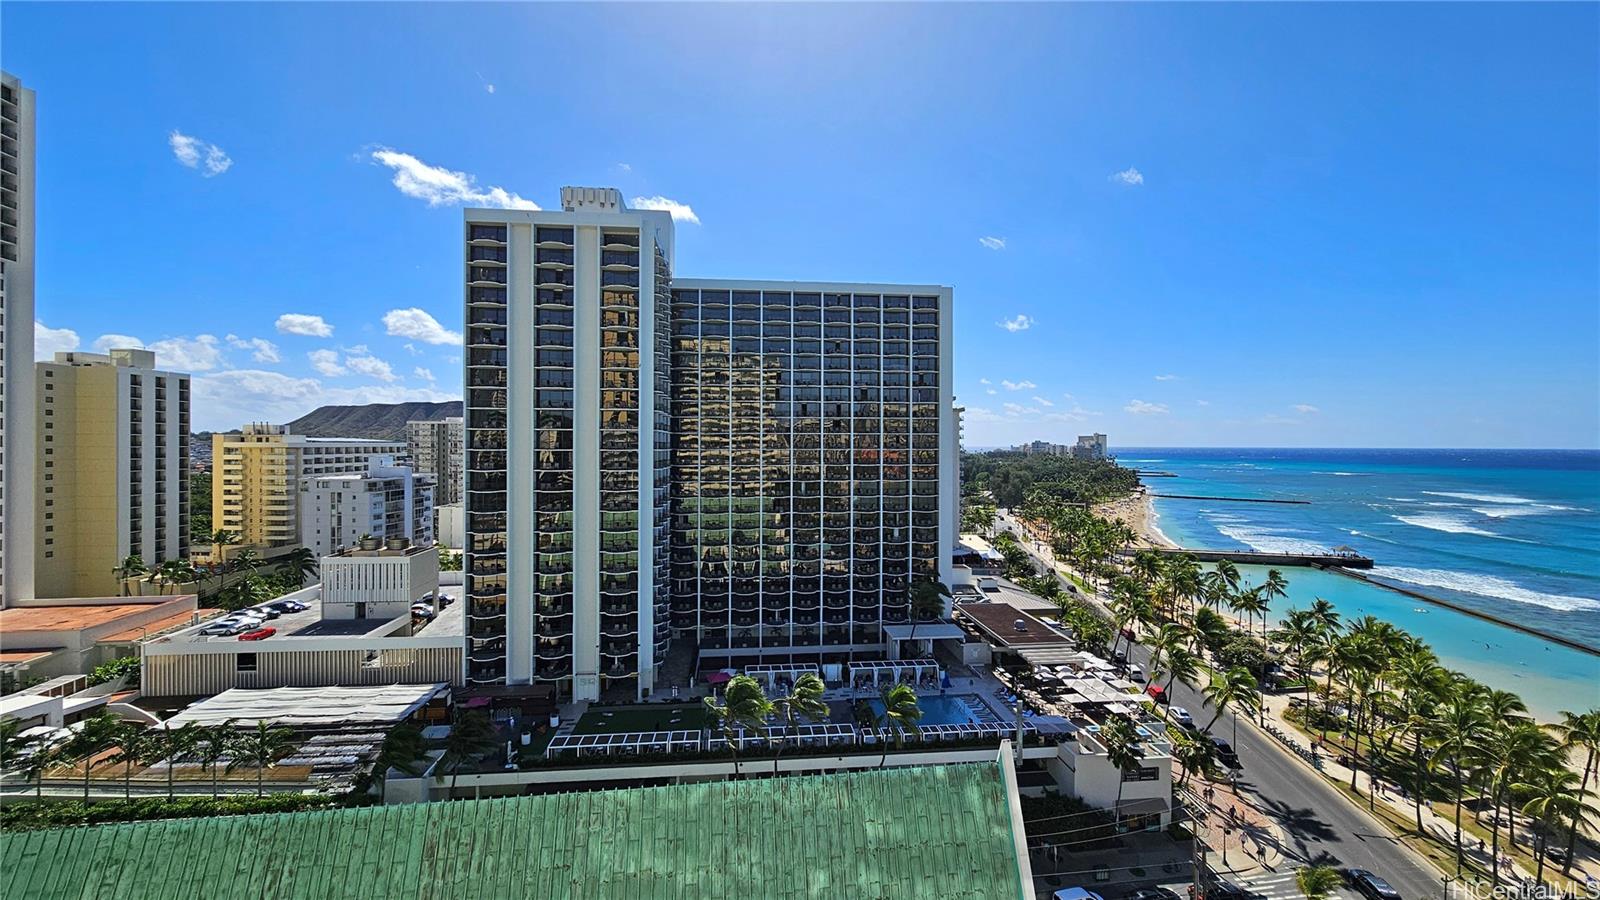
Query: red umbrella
x: 718, y: 678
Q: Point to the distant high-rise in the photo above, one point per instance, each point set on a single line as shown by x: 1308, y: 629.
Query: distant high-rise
x: 17, y: 463
x: 256, y: 477
x: 436, y: 449
x: 113, y: 476
x: 386, y: 501
x: 756, y: 469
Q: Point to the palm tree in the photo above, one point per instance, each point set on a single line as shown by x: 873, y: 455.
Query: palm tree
x: 1252, y: 602
x: 1274, y: 587
x: 136, y: 745
x: 1551, y: 794
x: 804, y: 701
x: 1181, y: 665
x: 176, y: 743
x: 1422, y: 683
x: 1460, y: 726
x: 261, y: 748
x: 901, y: 712
x: 10, y: 744
x: 927, y: 601
x: 1122, y: 751
x: 1196, y: 756
x: 1317, y: 882
x: 1579, y: 731
x: 223, y: 537
x: 35, y: 764
x: 402, y: 747
x: 470, y: 736
x: 1235, y: 687
x: 744, y: 706
x: 95, y: 735
x: 212, y: 744
x: 173, y: 572
x: 246, y: 560
x: 303, y: 562
x: 1514, y: 747
x: 1170, y: 637
x: 130, y: 567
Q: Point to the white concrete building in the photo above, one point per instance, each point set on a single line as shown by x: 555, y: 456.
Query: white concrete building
x: 436, y: 449
x: 451, y: 525
x: 764, y: 465
x: 379, y: 583
x: 257, y: 475
x: 384, y: 502
x: 1090, y: 446
x: 113, y: 469
x: 17, y: 463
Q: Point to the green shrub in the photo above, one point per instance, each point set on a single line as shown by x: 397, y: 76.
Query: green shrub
x: 29, y: 815
x: 127, y: 665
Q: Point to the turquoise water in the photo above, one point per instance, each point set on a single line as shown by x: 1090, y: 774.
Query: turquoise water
x: 1511, y: 533
x: 939, y: 711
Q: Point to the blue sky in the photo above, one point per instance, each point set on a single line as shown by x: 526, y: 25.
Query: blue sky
x: 1281, y: 225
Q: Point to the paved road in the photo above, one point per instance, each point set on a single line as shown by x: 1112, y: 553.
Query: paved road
x: 1320, y: 825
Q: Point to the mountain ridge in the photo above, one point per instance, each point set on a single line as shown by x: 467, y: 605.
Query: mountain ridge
x: 376, y: 421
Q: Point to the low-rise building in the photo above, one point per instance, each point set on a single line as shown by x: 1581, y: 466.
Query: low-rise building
x: 384, y: 501
x: 380, y: 582
x: 44, y: 639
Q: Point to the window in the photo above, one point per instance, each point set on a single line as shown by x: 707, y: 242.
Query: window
x: 245, y: 662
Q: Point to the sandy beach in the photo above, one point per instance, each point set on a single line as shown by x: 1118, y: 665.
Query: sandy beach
x: 1138, y: 510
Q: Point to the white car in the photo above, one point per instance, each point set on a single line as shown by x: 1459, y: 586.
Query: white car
x: 230, y: 626
x: 1181, y: 716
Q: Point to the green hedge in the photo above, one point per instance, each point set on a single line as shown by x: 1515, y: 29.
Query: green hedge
x: 27, y: 815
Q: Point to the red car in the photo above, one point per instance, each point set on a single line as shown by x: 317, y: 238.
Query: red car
x: 1154, y: 690
x: 260, y: 634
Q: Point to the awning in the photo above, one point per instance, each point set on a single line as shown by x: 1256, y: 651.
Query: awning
x: 931, y: 631
x: 1143, y: 807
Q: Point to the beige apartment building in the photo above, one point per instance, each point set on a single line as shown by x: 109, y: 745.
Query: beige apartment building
x: 436, y: 449
x: 113, y: 469
x: 257, y: 476
x: 16, y: 339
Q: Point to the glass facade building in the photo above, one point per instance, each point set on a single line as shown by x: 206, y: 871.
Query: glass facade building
x: 723, y: 471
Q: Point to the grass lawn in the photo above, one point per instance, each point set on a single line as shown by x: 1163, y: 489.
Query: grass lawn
x: 655, y: 717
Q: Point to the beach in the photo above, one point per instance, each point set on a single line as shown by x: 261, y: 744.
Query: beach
x: 1138, y: 511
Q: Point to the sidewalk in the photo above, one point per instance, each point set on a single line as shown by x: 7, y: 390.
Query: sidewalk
x: 1244, y: 840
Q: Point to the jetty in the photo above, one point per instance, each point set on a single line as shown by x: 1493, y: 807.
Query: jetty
x: 1230, y: 499
x: 1331, y: 560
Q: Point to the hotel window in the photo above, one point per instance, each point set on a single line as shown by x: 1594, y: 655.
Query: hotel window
x: 245, y: 662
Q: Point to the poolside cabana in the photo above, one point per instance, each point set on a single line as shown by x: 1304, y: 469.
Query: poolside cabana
x: 819, y: 735
x: 632, y: 743
x: 923, y: 673
x: 777, y: 674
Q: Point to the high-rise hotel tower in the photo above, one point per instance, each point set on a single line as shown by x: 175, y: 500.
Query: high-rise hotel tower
x: 731, y: 471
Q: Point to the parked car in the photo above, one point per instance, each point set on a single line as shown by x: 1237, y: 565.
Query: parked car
x: 264, y: 611
x: 1181, y: 716
x: 1556, y: 853
x: 1155, y: 893
x: 1156, y: 691
x: 285, y: 607
x: 1371, y: 885
x: 422, y: 610
x: 1134, y: 672
x: 226, y: 627
x: 1219, y: 889
x: 1076, y: 893
x: 1225, y: 753
x: 260, y: 634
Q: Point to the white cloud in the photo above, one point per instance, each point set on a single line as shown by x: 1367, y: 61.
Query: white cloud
x: 47, y: 342
x: 1202, y: 402
x: 1304, y: 408
x: 1166, y: 378
x: 983, y: 381
x: 1129, y: 176
x: 1023, y: 385
x: 488, y: 87
x: 326, y: 362
x: 991, y: 392
x: 1020, y: 323
x: 201, y: 353
x: 304, y: 324
x: 624, y: 168
x: 116, y: 342
x: 681, y: 212
x: 424, y: 374
x: 993, y: 243
x: 1042, y: 401
x: 228, y: 399
x: 1141, y: 408
x: 1017, y: 409
x: 370, y: 366
x: 1275, y: 419
x: 261, y: 349
x: 418, y: 325
x: 198, y: 154
x: 444, y: 187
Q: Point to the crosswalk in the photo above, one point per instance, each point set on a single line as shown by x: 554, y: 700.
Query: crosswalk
x: 1281, y: 886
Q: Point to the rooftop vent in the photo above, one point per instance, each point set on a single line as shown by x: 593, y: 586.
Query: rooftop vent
x: 598, y: 199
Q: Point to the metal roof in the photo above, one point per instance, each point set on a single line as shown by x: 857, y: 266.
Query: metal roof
x: 933, y: 831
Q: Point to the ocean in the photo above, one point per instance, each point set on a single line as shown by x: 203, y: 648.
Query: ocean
x: 1512, y: 533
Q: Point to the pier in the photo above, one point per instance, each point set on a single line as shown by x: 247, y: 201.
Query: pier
x: 1251, y: 557
x: 1230, y: 499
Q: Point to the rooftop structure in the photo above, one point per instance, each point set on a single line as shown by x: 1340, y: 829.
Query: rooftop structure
x: 314, y: 707
x: 1009, y: 627
x: 379, y: 581
x: 922, y: 832
x: 72, y: 636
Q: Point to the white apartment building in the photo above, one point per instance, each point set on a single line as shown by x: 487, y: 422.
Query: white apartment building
x: 379, y: 582
x: 113, y: 469
x: 436, y: 449
x: 17, y: 464
x: 764, y: 466
x: 257, y: 475
x: 385, y: 502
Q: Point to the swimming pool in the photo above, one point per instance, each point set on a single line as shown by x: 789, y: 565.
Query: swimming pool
x: 955, y: 710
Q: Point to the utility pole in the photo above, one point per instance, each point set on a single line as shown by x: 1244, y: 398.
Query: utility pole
x: 1196, y: 855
